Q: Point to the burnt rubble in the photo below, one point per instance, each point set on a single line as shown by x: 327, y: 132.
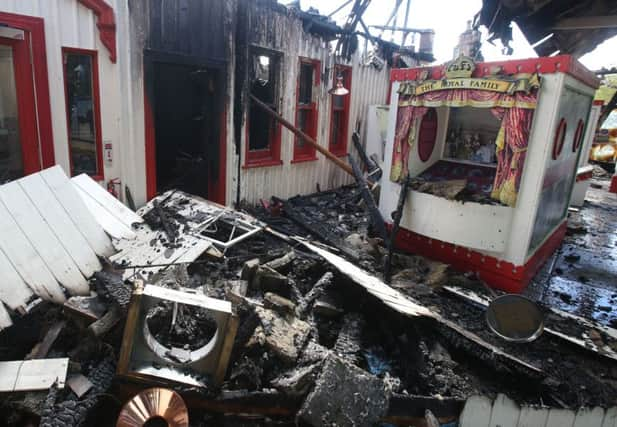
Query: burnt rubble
x: 312, y: 346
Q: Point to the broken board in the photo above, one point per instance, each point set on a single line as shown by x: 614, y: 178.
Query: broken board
x: 67, y: 196
x: 39, y: 233
x: 32, y: 375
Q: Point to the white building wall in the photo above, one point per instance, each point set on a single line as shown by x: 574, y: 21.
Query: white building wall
x: 369, y: 86
x: 70, y: 24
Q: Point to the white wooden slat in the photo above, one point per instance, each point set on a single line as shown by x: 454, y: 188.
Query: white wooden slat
x: 110, y: 223
x: 610, y: 418
x: 560, y: 418
x: 43, y: 239
x: 532, y: 417
x: 477, y: 412
x: 30, y: 375
x: 26, y: 260
x: 106, y: 200
x: 65, y: 193
x: 505, y: 412
x: 5, y: 319
x: 14, y: 292
x: 61, y: 224
x: 189, y: 252
x: 587, y: 417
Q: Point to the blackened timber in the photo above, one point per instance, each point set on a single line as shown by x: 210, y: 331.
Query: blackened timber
x: 376, y: 217
x: 316, y: 228
x: 373, y: 169
x: 396, y: 217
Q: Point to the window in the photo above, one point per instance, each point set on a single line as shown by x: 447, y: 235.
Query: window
x: 428, y: 135
x: 471, y: 135
x: 81, y: 85
x: 339, y: 121
x: 306, y: 109
x: 264, y: 132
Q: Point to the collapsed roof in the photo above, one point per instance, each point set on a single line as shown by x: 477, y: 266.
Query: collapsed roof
x: 573, y: 27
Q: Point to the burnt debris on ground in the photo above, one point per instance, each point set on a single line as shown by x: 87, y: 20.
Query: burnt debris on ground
x: 309, y: 338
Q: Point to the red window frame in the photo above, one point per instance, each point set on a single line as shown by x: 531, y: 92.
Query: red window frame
x: 306, y: 152
x: 427, y: 137
x: 96, y: 103
x: 270, y: 156
x: 338, y: 142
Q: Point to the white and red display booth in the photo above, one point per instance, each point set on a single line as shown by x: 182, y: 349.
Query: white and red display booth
x: 446, y: 121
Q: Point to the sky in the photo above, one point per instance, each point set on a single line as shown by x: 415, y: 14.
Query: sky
x: 449, y: 18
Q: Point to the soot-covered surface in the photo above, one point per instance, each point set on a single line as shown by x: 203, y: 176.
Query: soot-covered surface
x: 584, y: 280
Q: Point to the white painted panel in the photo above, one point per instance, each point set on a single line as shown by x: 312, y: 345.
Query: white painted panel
x: 610, y: 418
x: 45, y: 242
x: 532, y: 417
x: 560, y: 418
x: 68, y: 197
x: 110, y: 223
x: 60, y: 224
x: 5, y: 319
x: 587, y: 417
x: 26, y: 260
x: 477, y: 412
x: 106, y: 200
x: 472, y: 225
x: 30, y: 375
x: 505, y: 412
x: 13, y: 290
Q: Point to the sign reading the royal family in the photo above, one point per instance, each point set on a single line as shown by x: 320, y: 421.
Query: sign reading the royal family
x: 458, y: 76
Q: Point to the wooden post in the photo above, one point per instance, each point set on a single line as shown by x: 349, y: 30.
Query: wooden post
x: 302, y: 135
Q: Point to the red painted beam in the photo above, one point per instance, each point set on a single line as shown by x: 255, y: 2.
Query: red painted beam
x: 106, y: 23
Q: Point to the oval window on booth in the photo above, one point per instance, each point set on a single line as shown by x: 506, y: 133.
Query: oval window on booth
x: 578, y: 136
x: 560, y: 136
x: 427, y: 136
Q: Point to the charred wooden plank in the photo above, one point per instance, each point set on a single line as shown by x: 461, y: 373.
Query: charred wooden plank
x: 367, y: 196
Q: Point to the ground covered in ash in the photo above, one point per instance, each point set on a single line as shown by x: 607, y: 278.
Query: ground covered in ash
x: 305, y: 328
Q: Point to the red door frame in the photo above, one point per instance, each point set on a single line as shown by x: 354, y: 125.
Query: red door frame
x: 36, y: 119
x: 26, y: 112
x: 216, y: 192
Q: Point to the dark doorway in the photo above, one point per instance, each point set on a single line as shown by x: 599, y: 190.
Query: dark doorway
x: 186, y: 126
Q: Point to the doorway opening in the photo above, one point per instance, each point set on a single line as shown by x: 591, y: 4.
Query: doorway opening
x: 186, y: 101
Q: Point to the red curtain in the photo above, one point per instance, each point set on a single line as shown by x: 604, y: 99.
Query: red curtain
x: 407, y: 121
x: 511, y: 144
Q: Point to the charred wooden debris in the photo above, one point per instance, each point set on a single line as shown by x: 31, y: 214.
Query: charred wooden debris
x: 280, y: 317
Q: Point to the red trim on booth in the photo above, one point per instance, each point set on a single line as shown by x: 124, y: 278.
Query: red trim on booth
x: 545, y: 65
x: 96, y: 101
x: 106, y: 23
x: 613, y: 187
x: 497, y: 273
x: 35, y: 27
x: 150, y: 149
x: 585, y: 176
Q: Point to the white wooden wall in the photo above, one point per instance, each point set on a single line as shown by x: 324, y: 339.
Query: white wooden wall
x: 70, y: 24
x: 369, y: 86
x: 480, y: 411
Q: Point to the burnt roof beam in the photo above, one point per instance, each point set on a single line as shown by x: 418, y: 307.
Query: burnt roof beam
x: 586, y: 23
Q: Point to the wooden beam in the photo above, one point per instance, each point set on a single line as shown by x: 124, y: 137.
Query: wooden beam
x: 586, y: 23
x: 302, y: 135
